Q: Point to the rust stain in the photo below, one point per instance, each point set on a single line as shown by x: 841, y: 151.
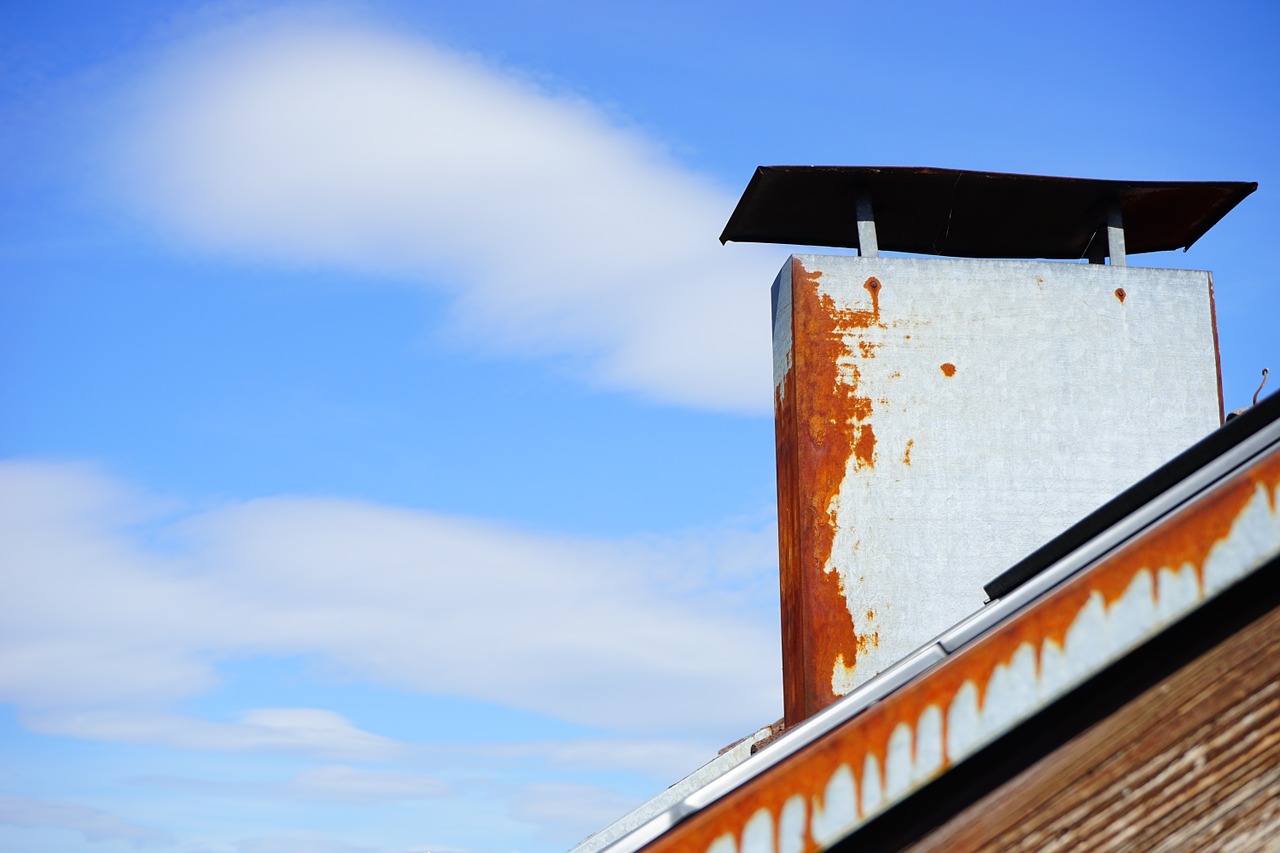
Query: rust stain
x: 1187, y: 538
x: 867, y: 642
x: 1120, y: 294
x: 864, y: 446
x: 789, y: 538
x: 822, y: 422
x: 948, y: 369
x: 906, y: 454
x: 872, y: 286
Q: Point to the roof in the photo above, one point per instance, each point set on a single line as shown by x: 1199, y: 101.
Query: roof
x: 1197, y: 544
x: 1171, y: 747
x: 968, y: 214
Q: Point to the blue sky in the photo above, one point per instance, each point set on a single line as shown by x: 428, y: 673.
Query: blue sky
x: 386, y: 461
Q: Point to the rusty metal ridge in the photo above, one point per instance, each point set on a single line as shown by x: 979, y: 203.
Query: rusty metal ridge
x: 968, y: 632
x: 982, y: 780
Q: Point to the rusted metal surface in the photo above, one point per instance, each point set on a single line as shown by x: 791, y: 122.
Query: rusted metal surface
x: 920, y: 402
x: 817, y: 795
x: 1191, y: 763
x: 976, y: 214
x: 823, y: 426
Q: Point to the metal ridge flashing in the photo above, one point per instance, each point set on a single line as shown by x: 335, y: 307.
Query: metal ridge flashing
x: 1018, y: 763
x: 964, y: 689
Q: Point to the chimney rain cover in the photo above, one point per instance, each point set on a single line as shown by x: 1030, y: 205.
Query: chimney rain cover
x: 967, y: 214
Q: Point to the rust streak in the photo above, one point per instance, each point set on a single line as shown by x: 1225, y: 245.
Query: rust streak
x: 822, y: 422
x: 906, y: 454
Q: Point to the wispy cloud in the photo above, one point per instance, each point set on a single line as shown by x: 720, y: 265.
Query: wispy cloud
x: 100, y: 626
x: 330, y: 783
x: 561, y: 808
x: 311, y: 731
x: 660, y: 758
x: 92, y: 824
x: 299, y: 843
x: 355, y: 784
x: 555, y: 230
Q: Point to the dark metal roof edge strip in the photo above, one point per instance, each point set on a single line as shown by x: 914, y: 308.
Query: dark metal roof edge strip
x: 1114, y: 184
x: 1140, y: 493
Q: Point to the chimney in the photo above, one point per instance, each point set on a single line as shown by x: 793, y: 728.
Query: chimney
x: 939, y: 418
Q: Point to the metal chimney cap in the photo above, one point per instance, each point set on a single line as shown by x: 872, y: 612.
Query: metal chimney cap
x: 967, y: 214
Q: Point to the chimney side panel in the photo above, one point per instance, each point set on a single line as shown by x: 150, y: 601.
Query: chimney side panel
x: 939, y: 419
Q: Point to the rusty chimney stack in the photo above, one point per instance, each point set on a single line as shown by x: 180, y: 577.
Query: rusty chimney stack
x: 939, y: 418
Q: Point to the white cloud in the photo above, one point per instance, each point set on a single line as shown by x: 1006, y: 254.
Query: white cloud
x: 331, y: 783
x: 354, y: 784
x: 300, y: 844
x: 99, y: 627
x: 661, y: 759
x: 93, y: 824
x: 312, y: 731
x: 563, y: 808
x: 555, y: 230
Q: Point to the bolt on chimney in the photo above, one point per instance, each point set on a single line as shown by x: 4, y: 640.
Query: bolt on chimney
x: 939, y: 418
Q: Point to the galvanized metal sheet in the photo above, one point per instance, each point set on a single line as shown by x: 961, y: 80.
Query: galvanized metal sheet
x: 939, y: 419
